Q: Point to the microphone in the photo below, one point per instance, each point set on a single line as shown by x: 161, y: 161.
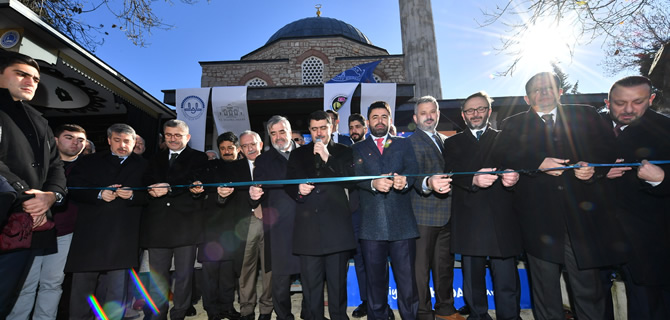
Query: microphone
x: 318, y: 162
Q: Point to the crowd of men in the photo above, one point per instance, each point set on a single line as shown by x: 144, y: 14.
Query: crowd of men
x: 525, y: 190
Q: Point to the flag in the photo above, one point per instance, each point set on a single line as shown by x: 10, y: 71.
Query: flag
x: 192, y: 109
x: 361, y: 73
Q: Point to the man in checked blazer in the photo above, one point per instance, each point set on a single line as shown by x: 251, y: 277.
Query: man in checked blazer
x: 432, y: 211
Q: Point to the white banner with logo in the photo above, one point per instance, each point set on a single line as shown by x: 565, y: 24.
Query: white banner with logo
x: 371, y: 92
x: 192, y: 108
x: 337, y: 97
x: 229, y: 109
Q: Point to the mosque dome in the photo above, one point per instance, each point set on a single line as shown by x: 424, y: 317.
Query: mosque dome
x: 318, y: 27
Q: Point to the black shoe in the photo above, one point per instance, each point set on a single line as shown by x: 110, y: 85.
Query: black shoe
x: 265, y: 316
x: 391, y: 314
x: 361, y: 310
x: 231, y: 314
x: 191, y: 311
x: 464, y: 310
x: 250, y: 316
x: 214, y: 317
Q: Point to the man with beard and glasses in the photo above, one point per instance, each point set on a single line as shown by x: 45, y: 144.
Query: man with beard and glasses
x: 388, y: 225
x: 562, y: 212
x: 431, y: 205
x: 641, y: 198
x: 357, y: 127
x: 278, y: 213
x: 482, y: 206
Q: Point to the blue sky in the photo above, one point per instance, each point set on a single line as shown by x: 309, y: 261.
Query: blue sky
x: 227, y: 30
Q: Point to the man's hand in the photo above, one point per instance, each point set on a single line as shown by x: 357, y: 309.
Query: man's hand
x: 549, y: 163
x: 585, y: 172
x: 305, y: 188
x: 399, y: 182
x: 39, y: 220
x: 109, y: 195
x: 616, y: 172
x: 124, y: 193
x: 510, y: 178
x: 158, y: 190
x: 484, y: 180
x: 197, y: 187
x: 650, y: 172
x: 255, y: 192
x: 321, y: 150
x: 224, y: 191
x: 40, y: 203
x: 383, y: 185
x: 439, y: 183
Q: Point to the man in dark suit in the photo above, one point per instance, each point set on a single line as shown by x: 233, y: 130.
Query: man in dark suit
x: 337, y: 137
x: 105, y: 242
x: 561, y: 211
x: 30, y: 163
x: 432, y: 212
x: 483, y: 222
x: 642, y: 199
x: 278, y: 213
x: 172, y: 222
x: 323, y: 236
x: 388, y: 225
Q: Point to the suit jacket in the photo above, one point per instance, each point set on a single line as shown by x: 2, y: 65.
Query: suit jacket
x: 386, y: 216
x: 322, y: 219
x: 432, y: 209
x: 643, y: 209
x: 344, y: 139
x: 106, y: 233
x: 175, y: 219
x: 28, y: 164
x: 551, y: 206
x: 278, y: 212
x: 226, y: 220
x: 483, y: 221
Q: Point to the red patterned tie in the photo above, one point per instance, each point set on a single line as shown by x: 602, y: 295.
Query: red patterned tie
x: 617, y: 129
x: 380, y: 145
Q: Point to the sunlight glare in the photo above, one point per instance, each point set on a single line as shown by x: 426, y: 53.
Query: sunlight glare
x: 547, y: 41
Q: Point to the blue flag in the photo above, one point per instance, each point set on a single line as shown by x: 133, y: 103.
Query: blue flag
x: 359, y: 73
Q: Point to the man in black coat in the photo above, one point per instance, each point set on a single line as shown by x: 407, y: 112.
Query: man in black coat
x: 278, y: 213
x: 324, y: 235
x: 561, y: 212
x: 483, y: 222
x: 105, y: 242
x: 30, y: 162
x: 172, y: 222
x: 641, y: 199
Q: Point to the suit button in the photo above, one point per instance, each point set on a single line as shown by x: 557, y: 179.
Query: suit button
x: 316, y: 210
x: 317, y: 190
x: 167, y: 204
x: 560, y: 188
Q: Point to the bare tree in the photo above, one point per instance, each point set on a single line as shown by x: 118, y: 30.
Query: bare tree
x: 135, y: 18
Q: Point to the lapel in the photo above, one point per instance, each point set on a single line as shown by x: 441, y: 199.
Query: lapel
x: 428, y: 140
x: 371, y: 145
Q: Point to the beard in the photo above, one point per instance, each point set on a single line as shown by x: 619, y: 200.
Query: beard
x: 481, y: 125
x: 379, y: 132
x: 356, y: 137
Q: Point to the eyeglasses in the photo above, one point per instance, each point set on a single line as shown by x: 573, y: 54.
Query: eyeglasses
x: 176, y: 136
x: 479, y: 110
x: 297, y: 139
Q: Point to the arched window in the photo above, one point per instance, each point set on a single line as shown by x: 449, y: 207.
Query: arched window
x: 256, y: 82
x: 312, y: 71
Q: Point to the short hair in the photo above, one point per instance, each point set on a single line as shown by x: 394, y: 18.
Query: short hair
x: 68, y: 127
x: 378, y: 105
x: 228, y: 136
x: 357, y: 117
x: 174, y: 123
x: 8, y: 58
x: 277, y: 119
x: 121, y: 128
x: 480, y: 94
x: 553, y: 75
x: 319, y: 115
x: 425, y: 99
x: 336, y: 115
x: 138, y: 137
x: 90, y: 143
x: 630, y: 81
x: 256, y: 136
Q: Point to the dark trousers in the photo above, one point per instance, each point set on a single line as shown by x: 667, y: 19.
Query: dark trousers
x: 506, y: 288
x: 358, y: 257
x: 218, y: 292
x: 402, y: 253
x: 433, y: 255
x: 109, y: 289
x: 160, y: 261
x: 585, y: 286
x: 14, y: 267
x: 281, y: 296
x: 645, y: 302
x: 332, y: 268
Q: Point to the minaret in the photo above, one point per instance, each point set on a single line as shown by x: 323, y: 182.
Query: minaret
x: 419, y: 47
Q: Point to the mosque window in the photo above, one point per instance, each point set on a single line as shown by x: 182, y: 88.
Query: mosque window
x: 378, y: 79
x: 256, y: 82
x: 312, y: 71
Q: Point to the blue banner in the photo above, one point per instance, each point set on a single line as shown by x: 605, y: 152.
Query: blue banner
x: 360, y: 73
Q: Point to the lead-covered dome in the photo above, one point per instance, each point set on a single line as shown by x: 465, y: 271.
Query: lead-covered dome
x: 318, y: 27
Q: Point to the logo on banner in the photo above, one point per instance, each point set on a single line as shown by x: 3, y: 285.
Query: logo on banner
x: 192, y: 107
x: 338, y: 102
x: 231, y: 112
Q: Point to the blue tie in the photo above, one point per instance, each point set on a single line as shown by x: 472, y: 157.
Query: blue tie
x: 479, y: 133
